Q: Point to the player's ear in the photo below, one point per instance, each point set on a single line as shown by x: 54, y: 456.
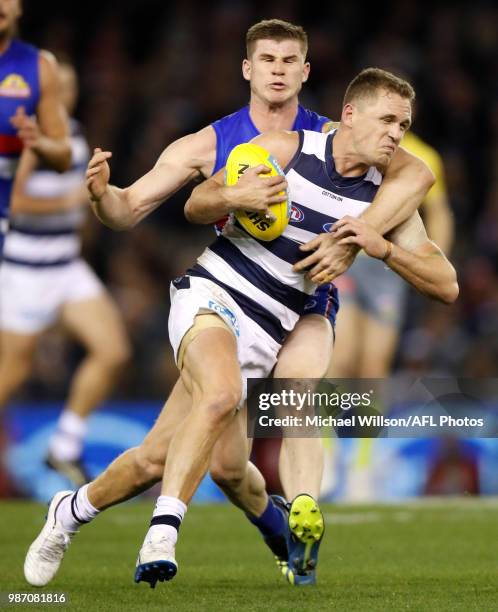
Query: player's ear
x: 246, y: 69
x: 306, y: 71
x: 347, y: 115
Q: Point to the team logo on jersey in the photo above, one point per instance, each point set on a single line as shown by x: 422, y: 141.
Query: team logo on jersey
x: 14, y: 86
x: 327, y: 227
x: 226, y: 314
x: 328, y: 127
x: 297, y: 214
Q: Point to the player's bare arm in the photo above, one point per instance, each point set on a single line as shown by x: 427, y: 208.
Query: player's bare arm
x: 183, y: 160
x: 213, y: 200
x: 23, y: 203
x: 406, y: 183
x: 47, y: 135
x: 408, y: 252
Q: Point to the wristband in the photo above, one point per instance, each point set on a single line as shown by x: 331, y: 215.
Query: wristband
x: 389, y: 250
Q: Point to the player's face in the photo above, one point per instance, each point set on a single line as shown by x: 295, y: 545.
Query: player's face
x: 10, y: 11
x: 378, y: 125
x: 276, y: 70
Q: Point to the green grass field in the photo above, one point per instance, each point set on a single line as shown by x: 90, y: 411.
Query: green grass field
x: 434, y: 556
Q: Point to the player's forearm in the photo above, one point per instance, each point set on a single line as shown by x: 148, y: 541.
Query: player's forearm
x: 23, y: 204
x: 400, y: 194
x: 430, y: 273
x: 208, y: 203
x: 56, y: 153
x: 114, y: 209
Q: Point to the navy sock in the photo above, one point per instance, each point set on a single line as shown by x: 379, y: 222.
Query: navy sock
x: 271, y: 522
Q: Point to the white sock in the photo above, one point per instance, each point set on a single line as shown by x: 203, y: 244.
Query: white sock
x: 172, y: 508
x: 76, y: 510
x: 169, y: 505
x: 66, y: 443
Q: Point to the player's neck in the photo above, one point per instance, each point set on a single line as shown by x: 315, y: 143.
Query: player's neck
x: 5, y: 40
x: 267, y: 117
x: 346, y: 160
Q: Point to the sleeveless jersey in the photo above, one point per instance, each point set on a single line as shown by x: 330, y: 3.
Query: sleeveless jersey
x: 19, y: 86
x: 238, y: 127
x: 259, y: 274
x: 50, y: 239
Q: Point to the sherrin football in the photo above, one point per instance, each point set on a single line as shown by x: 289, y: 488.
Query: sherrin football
x: 246, y: 156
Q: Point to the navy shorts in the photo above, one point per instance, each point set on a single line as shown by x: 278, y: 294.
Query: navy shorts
x: 325, y: 302
x: 3, y: 232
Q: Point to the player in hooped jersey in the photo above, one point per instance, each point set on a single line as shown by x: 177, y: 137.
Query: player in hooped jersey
x: 28, y: 87
x: 276, y: 69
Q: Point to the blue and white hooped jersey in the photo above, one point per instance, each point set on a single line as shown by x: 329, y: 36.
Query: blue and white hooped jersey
x: 50, y: 239
x: 259, y: 274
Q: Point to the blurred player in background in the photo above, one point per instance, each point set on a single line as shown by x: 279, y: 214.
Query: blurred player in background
x: 28, y: 87
x: 435, y: 209
x: 373, y: 301
x: 276, y: 68
x: 43, y: 280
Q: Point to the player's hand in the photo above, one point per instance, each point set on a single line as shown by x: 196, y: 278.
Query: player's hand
x: 256, y: 193
x: 98, y: 174
x: 27, y: 128
x: 328, y: 259
x: 353, y: 231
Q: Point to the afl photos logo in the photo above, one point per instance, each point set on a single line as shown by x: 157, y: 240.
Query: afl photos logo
x: 14, y: 86
x: 297, y: 214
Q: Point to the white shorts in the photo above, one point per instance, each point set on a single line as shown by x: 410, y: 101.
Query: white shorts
x: 31, y: 298
x: 256, y: 350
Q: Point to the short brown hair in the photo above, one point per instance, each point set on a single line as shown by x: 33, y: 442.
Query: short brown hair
x: 370, y: 80
x: 275, y: 29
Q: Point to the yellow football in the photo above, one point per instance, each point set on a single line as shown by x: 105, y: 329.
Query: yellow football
x: 246, y: 156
